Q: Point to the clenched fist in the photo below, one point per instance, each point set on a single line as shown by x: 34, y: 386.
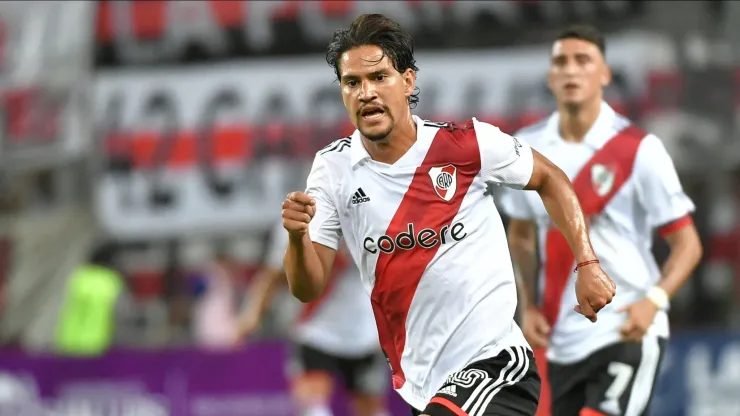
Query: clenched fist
x: 535, y: 327
x: 594, y: 290
x: 298, y: 210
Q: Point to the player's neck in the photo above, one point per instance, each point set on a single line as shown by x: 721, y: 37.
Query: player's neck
x: 576, y: 122
x: 393, y: 147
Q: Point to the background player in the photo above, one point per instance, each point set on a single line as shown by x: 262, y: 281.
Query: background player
x: 628, y: 186
x: 409, y: 197
x: 334, y: 336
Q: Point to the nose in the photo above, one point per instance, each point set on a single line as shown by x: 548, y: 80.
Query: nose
x: 570, y: 68
x: 367, y: 92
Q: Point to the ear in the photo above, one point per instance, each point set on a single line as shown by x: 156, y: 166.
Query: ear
x: 550, y: 81
x: 409, y: 81
x: 606, y: 76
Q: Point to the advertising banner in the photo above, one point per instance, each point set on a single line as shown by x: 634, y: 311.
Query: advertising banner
x: 216, y: 148
x: 700, y: 377
x: 251, y: 382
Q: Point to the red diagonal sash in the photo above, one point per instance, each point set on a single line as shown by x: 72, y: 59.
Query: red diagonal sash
x: 595, y: 185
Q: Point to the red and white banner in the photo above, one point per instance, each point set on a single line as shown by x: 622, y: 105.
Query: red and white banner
x: 45, y: 71
x: 215, y: 148
x: 150, y: 32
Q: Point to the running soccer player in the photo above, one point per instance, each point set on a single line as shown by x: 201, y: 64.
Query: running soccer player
x: 334, y: 337
x: 627, y: 185
x: 409, y: 197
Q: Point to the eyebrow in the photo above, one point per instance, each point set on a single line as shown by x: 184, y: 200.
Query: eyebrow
x: 371, y: 74
x: 577, y: 55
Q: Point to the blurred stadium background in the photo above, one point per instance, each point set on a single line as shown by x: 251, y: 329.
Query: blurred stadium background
x: 156, y: 134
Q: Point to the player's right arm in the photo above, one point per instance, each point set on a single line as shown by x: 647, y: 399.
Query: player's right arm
x: 522, y: 237
x: 312, y: 222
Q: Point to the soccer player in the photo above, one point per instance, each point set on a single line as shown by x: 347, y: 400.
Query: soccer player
x: 409, y: 197
x: 627, y: 185
x: 334, y: 336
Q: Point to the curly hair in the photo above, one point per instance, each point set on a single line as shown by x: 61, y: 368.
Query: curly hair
x: 375, y: 29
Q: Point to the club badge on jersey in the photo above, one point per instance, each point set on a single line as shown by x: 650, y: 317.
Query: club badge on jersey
x: 444, y: 180
x: 602, y: 178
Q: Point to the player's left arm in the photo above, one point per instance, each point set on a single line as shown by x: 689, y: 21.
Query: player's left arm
x: 669, y: 211
x: 685, y: 255
x: 512, y: 162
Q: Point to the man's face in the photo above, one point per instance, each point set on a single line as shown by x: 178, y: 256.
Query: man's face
x: 578, y: 72
x: 373, y: 91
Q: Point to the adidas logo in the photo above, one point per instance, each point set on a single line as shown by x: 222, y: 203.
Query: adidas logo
x: 359, y: 197
x: 450, y: 390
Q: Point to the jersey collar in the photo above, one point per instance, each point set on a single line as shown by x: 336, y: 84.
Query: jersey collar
x: 596, y: 136
x: 358, y: 153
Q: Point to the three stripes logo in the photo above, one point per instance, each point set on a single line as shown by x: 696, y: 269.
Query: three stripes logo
x: 449, y: 390
x: 359, y: 197
x: 337, y: 146
x: 486, y: 389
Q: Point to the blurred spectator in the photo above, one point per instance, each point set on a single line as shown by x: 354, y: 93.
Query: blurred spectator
x: 87, y: 318
x: 215, y: 312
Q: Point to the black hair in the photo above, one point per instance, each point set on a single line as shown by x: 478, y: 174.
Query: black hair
x: 103, y: 255
x: 584, y: 32
x: 379, y: 30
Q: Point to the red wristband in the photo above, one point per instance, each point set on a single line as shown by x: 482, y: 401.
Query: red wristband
x: 585, y: 263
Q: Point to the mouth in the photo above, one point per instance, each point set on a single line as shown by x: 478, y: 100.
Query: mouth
x: 571, y: 86
x: 371, y: 112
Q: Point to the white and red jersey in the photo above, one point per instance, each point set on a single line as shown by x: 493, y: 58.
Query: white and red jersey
x: 429, y: 243
x: 341, y: 321
x: 628, y: 186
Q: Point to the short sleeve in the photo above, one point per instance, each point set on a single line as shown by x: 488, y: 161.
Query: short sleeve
x: 660, y: 189
x: 324, y: 228
x: 514, y: 204
x: 505, y: 160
